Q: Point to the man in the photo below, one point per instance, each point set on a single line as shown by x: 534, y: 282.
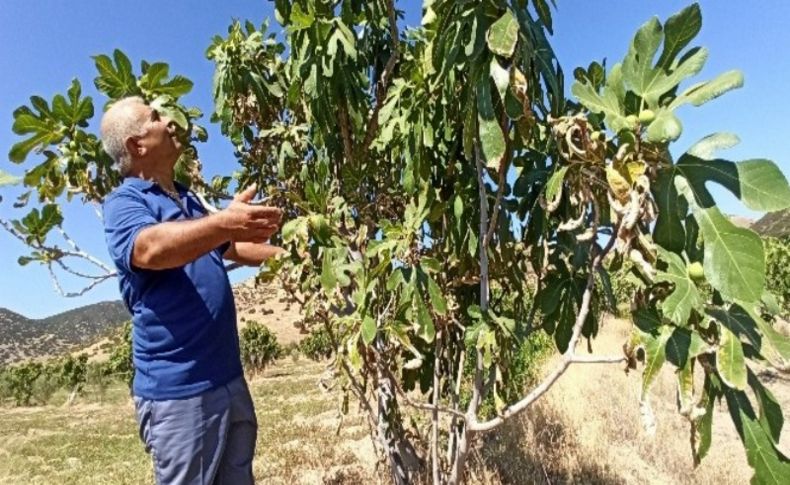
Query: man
x: 193, y: 407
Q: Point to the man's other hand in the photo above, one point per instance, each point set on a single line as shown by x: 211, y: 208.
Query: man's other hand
x: 250, y: 223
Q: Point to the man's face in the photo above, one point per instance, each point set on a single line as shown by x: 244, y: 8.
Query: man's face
x: 159, y: 139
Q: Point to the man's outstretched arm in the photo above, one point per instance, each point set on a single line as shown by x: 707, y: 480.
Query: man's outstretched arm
x: 176, y: 243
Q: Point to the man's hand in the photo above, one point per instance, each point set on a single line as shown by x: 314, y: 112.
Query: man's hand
x: 249, y: 223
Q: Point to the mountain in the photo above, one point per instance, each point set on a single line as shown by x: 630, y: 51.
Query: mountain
x: 90, y: 328
x: 23, y: 338
x: 776, y: 224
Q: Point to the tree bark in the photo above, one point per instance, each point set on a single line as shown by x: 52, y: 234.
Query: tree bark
x: 399, y: 452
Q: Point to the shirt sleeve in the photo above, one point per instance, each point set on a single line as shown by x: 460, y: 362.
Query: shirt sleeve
x: 125, y: 215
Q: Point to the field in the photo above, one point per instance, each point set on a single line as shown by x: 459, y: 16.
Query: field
x: 576, y: 434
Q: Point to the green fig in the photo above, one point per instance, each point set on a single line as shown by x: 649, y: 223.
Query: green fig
x: 647, y: 116
x: 696, y: 272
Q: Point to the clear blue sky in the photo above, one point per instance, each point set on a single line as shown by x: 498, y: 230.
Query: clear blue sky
x: 45, y: 43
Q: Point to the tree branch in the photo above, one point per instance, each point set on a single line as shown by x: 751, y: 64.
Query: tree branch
x: 567, y: 359
x: 503, y: 165
x: 82, y: 254
x: 423, y: 406
x: 81, y: 292
x: 384, y: 81
x: 435, y: 469
x: 345, y: 132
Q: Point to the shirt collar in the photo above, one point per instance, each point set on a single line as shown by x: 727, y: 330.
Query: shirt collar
x: 146, y: 185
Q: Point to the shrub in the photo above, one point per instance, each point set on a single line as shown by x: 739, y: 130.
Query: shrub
x: 71, y: 372
x: 777, y: 271
x: 291, y: 349
x: 120, y: 364
x: 18, y: 382
x: 521, y: 370
x: 259, y: 347
x: 98, y: 378
x: 317, y: 345
x: 45, y: 385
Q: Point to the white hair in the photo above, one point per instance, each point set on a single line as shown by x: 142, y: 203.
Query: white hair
x: 118, y: 124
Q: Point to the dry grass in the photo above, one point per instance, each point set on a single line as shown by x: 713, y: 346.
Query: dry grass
x: 586, y: 430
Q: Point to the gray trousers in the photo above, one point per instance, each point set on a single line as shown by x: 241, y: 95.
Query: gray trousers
x: 207, y: 439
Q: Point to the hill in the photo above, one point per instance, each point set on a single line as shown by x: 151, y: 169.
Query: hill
x: 24, y: 338
x: 89, y: 328
x: 776, y: 224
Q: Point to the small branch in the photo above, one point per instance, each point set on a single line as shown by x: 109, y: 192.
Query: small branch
x: 345, y: 131
x: 503, y: 165
x: 74, y: 272
x: 73, y: 294
x: 483, y: 253
x: 597, y: 359
x: 81, y: 254
x: 423, y: 406
x: 477, y: 389
x: 456, y: 391
x: 495, y: 210
x: 8, y: 227
x: 470, y: 417
x: 435, y: 412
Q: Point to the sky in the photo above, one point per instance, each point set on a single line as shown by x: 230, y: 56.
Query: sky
x: 46, y: 43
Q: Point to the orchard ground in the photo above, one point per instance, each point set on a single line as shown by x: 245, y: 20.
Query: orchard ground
x: 587, y: 429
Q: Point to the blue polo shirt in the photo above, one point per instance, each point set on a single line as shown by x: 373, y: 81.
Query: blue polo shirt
x: 184, y: 336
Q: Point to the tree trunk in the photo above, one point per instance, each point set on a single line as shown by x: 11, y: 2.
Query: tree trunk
x: 400, y: 454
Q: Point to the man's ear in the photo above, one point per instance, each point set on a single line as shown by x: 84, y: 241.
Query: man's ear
x: 134, y: 148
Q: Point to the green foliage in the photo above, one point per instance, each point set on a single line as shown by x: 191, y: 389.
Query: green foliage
x: 673, y: 323
x: 777, y: 275
x: 64, y: 159
x: 72, y: 371
x: 17, y: 382
x: 317, y: 345
x: 35, y: 382
x: 522, y: 370
x: 259, y: 347
x: 120, y: 365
